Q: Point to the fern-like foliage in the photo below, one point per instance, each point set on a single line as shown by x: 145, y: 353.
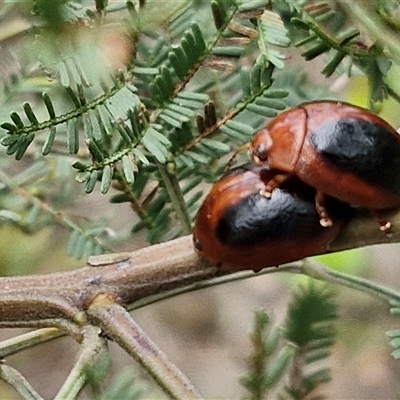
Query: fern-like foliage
x: 326, y: 34
x: 142, y: 131
x: 147, y: 112
x: 269, y: 361
x: 289, y: 361
x: 309, y: 326
x: 121, y: 387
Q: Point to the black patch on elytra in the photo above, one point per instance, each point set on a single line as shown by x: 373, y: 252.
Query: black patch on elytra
x: 256, y: 219
x: 363, y: 148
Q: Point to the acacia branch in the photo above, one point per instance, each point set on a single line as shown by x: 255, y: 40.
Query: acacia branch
x: 117, y: 323
x: 62, y: 299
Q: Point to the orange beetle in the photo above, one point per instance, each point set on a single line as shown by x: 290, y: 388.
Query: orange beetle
x: 238, y: 227
x: 342, y: 150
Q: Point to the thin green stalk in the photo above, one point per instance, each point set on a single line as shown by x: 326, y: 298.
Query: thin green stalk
x: 18, y: 382
x: 318, y: 271
x: 373, y: 25
x: 28, y: 340
x: 176, y: 196
x: 92, y: 347
x: 118, y: 325
x: 306, y: 267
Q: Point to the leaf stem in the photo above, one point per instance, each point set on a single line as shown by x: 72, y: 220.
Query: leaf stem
x: 176, y: 196
x: 18, y: 382
x: 117, y: 323
x: 27, y: 340
x: 318, y: 271
x: 92, y: 347
x: 373, y: 25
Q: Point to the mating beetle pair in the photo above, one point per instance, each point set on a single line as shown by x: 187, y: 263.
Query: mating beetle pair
x: 311, y: 163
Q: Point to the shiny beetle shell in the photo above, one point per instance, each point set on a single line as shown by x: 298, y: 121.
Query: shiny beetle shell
x: 237, y: 227
x: 342, y: 150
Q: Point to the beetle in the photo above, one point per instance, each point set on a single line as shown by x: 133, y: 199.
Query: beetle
x: 342, y: 150
x: 238, y: 227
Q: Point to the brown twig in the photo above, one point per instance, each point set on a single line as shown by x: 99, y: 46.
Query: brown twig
x: 117, y: 324
x: 101, y: 293
x: 62, y: 298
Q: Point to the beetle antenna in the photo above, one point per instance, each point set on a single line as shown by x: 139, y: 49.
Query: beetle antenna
x: 235, y: 154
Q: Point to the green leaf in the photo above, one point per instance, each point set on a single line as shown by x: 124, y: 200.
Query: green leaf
x: 106, y: 179
x: 219, y: 147
x: 178, y: 62
x: 17, y: 120
x: 93, y: 121
x: 49, y: 141
x: 79, y: 166
x: 24, y: 143
x: 228, y: 51
x: 82, y: 176
x: 95, y: 150
x: 72, y: 136
x: 315, y: 51
x: 123, y: 131
x: 251, y: 5
x: 120, y: 198
x: 173, y: 118
x: 246, y: 82
x: 9, y: 140
x: 396, y: 354
x: 104, y: 118
x: 271, y: 103
x: 146, y: 71
x: 167, y: 78
x: 73, y: 242
x: 140, y: 156
x: 9, y: 127
x: 196, y: 157
x: 198, y: 37
x: 240, y: 127
x: 272, y: 31
x: 234, y: 133
x: 33, y: 215
x: 121, y: 103
x: 87, y: 126
x: 128, y: 167
x: 63, y: 74
x: 9, y: 216
x: 330, y: 68
x: 91, y: 182
x: 156, y: 144
x: 12, y: 148
x: 201, y: 97
x: 30, y: 114
x: 184, y: 111
x: 218, y: 14
x: 279, y: 366
x: 261, y: 110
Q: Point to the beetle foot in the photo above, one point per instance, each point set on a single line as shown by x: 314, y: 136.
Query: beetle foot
x: 273, y: 183
x: 266, y: 193
x: 326, y: 222
x: 324, y: 218
x: 385, y: 226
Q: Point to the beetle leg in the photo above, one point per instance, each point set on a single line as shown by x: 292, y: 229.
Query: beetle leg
x: 384, y: 224
x: 324, y: 219
x: 272, y: 184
